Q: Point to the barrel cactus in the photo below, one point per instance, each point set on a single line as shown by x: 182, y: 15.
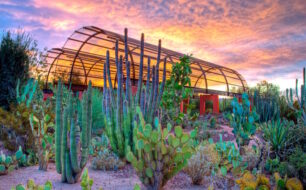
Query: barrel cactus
x: 160, y: 154
x: 72, y: 135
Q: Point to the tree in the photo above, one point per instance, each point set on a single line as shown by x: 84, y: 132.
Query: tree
x: 18, y: 53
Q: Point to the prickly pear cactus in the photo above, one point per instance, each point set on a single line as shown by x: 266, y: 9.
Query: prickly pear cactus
x: 40, y: 126
x: 6, y: 164
x: 32, y: 186
x: 161, y: 154
x: 243, y: 120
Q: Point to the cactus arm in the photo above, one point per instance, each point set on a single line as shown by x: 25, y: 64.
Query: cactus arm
x: 73, y: 147
x: 64, y: 145
x: 109, y: 80
x: 147, y: 86
x: 84, y: 135
x: 89, y: 113
x: 161, y: 90
x: 59, y: 123
x: 139, y: 86
x: 31, y: 95
x: 127, y: 64
x: 148, y: 115
x: 119, y: 134
x: 68, y: 169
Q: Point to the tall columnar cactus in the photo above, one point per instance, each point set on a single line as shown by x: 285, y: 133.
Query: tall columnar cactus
x: 70, y: 132
x: 160, y: 154
x: 301, y: 99
x: 119, y: 109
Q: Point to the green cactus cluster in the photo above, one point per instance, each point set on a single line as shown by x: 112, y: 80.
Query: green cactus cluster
x: 32, y: 186
x: 44, y: 140
x: 28, y: 92
x: 10, y: 163
x: 160, y: 153
x: 118, y: 105
x: 6, y: 164
x: 301, y: 99
x: 21, y: 158
x: 242, y: 120
x: 230, y: 157
x: 267, y: 108
x: 72, y: 134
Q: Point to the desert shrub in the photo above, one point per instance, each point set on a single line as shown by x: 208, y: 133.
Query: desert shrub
x: 251, y: 156
x: 98, y: 144
x: 212, y: 122
x: 202, y: 162
x: 106, y: 160
x: 298, y: 160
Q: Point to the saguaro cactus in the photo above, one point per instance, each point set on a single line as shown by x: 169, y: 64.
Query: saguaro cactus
x: 69, y: 130
x: 119, y: 109
x: 300, y: 99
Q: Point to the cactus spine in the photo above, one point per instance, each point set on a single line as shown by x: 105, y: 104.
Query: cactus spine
x: 68, y: 129
x: 119, y: 109
x: 300, y: 100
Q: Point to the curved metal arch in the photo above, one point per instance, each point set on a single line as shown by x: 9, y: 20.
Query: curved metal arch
x: 78, y: 51
x: 204, y: 74
x: 55, y: 59
x: 240, y: 78
x: 225, y: 78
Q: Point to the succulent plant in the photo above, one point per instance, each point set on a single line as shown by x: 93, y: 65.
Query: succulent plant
x: 287, y: 184
x: 243, y: 120
x: 160, y: 154
x: 40, y: 126
x: 6, y: 164
x: 32, y: 186
x: 118, y: 105
x: 86, y: 182
x: 72, y: 135
x: 250, y: 182
x: 300, y: 99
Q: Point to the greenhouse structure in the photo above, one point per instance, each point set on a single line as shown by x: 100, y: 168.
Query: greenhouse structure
x: 83, y: 55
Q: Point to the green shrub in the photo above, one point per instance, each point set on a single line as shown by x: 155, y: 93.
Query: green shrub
x: 298, y: 160
x: 15, y: 64
x: 209, y: 106
x: 213, y: 122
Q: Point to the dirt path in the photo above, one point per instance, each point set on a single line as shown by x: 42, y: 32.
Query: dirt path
x: 112, y: 180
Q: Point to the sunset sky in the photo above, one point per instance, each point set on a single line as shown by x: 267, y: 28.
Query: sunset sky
x: 260, y: 39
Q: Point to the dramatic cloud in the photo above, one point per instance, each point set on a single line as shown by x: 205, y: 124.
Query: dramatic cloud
x: 260, y: 39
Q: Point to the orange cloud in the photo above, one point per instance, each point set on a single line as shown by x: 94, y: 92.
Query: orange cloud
x: 251, y: 37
